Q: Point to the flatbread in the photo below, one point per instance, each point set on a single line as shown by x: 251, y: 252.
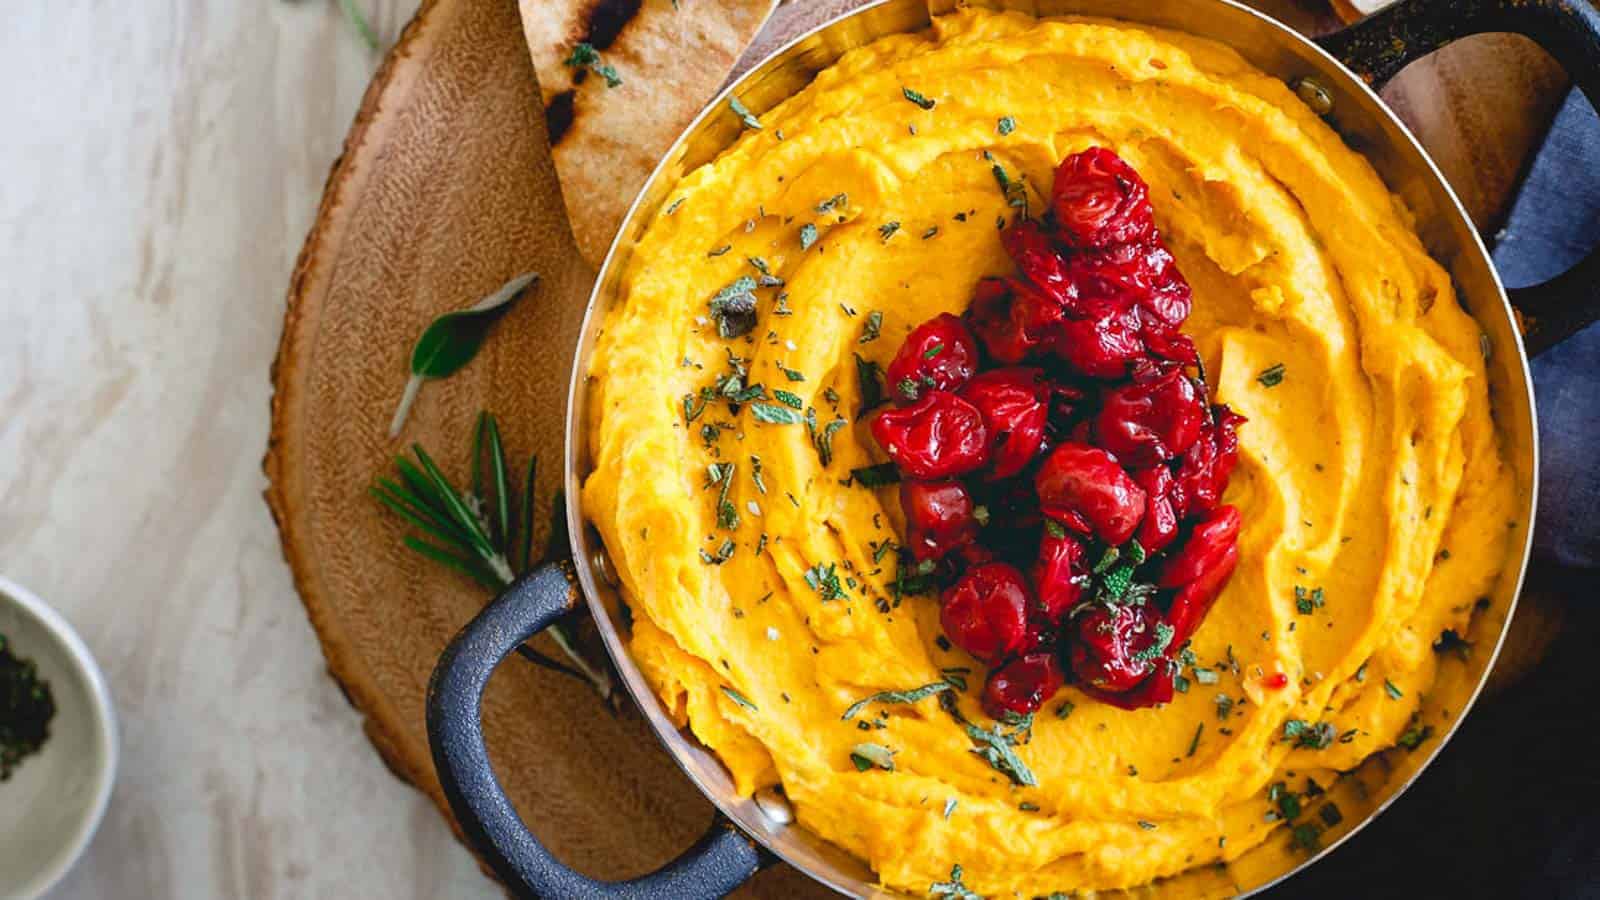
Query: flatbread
x: 1352, y: 10
x: 606, y: 140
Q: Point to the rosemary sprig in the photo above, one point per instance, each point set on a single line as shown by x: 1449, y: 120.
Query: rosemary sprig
x: 474, y: 531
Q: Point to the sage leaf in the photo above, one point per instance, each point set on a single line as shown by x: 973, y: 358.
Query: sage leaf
x: 774, y: 414
x: 910, y: 696
x: 452, y: 340
x: 743, y: 112
x: 872, y: 756
x: 739, y: 698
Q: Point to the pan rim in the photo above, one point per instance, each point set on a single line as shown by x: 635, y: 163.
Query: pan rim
x: 740, y: 810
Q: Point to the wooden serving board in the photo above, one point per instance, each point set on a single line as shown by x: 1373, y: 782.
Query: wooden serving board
x: 445, y: 189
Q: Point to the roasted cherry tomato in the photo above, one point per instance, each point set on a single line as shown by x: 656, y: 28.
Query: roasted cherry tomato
x: 1058, y: 576
x: 1100, y: 201
x: 940, y: 354
x: 940, y: 437
x: 938, y: 517
x: 1022, y: 685
x: 1151, y: 422
x: 1117, y: 647
x: 1086, y: 489
x: 1013, y: 319
x: 986, y: 611
x: 1015, y: 404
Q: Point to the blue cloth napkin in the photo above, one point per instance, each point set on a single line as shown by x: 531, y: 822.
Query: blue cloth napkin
x: 1553, y: 223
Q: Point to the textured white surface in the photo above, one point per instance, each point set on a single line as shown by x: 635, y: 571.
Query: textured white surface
x: 162, y: 161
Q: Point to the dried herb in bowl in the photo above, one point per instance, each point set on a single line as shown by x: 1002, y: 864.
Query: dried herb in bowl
x: 26, y: 708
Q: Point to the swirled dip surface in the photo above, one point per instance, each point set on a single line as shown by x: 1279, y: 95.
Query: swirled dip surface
x: 1370, y: 471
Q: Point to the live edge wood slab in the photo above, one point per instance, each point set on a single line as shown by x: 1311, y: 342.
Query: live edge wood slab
x: 445, y: 190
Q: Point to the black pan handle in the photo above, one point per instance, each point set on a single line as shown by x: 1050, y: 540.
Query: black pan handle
x: 719, y: 862
x: 1378, y: 47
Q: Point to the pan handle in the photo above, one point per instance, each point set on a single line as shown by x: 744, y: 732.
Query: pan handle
x: 719, y: 862
x: 1378, y: 47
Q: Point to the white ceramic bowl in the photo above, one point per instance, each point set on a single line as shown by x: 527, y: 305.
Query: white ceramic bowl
x: 55, y: 798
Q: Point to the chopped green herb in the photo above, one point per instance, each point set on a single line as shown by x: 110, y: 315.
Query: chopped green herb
x: 869, y: 756
x: 1135, y: 553
x: 727, y: 513
x: 952, y: 889
x: 833, y: 203
x: 1305, y: 734
x: 808, y: 236
x: 1272, y: 376
x: 1015, y: 192
x: 739, y: 698
x: 585, y: 56
x: 993, y: 746
x: 1307, y: 837
x: 719, y: 251
x: 1224, y: 706
x: 917, y: 98
x: 743, y: 112
x: 870, y: 378
x: 789, y: 399
x: 755, y: 473
x: 1114, y: 585
x: 1006, y: 125
x: 1414, y: 736
x: 1392, y: 690
x: 914, y: 695
x: 887, y: 230
x: 1288, y: 801
x: 690, y: 410
x: 734, y: 307
x: 933, y: 351
x: 1206, y: 676
x: 876, y: 476
x: 825, y: 581
x: 1330, y: 815
x: 930, y: 232
x: 911, y: 577
x: 673, y: 206
x: 774, y: 414
x: 824, y: 440
x: 872, y: 327
x: 1306, y: 602
x: 949, y: 807
x: 1194, y: 743
x: 1054, y: 529
x: 791, y: 374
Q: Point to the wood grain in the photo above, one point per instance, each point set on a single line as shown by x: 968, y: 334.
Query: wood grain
x: 413, y: 222
x: 162, y: 162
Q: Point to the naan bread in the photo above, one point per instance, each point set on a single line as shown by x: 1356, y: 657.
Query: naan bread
x: 670, y: 60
